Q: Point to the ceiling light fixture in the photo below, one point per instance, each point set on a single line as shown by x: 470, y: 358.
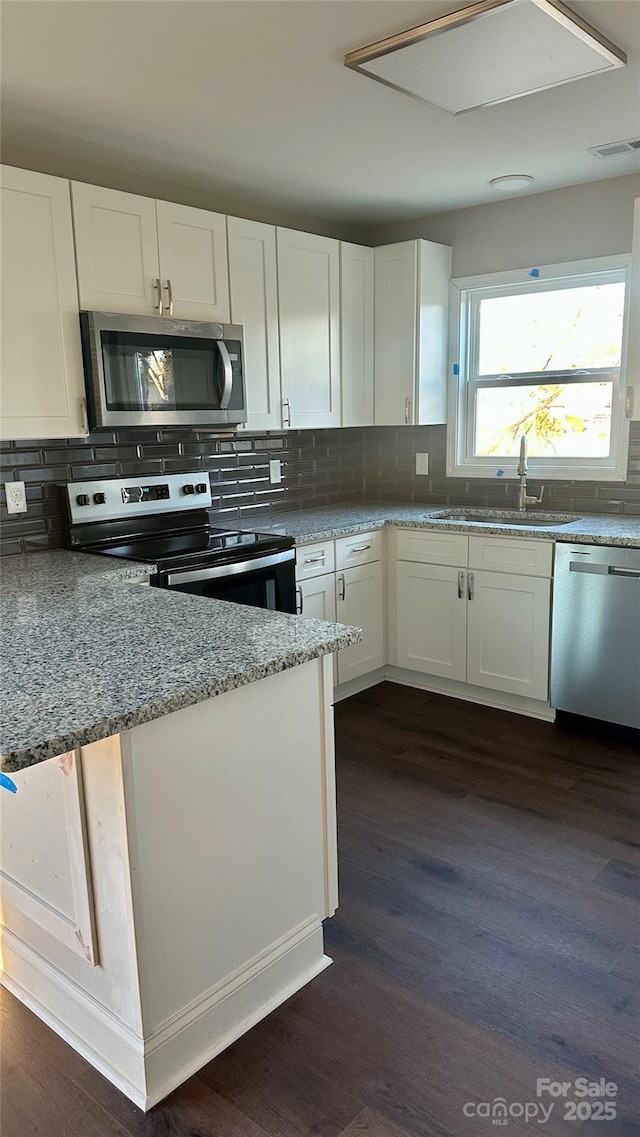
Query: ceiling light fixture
x: 489, y: 52
x: 512, y: 182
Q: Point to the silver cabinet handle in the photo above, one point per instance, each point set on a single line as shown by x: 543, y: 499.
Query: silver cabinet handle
x: 471, y: 586
x: 170, y: 296
x: 407, y: 411
x: 342, y: 587
x: 228, y: 375
x: 359, y: 549
x: 460, y: 584
x: 159, y: 305
x: 315, y: 560
x: 286, y: 405
x: 299, y: 601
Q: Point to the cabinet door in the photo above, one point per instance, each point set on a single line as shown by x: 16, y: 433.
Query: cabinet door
x: 42, y: 378
x: 359, y: 602
x: 253, y: 283
x: 356, y: 311
x: 317, y: 597
x: 431, y: 615
x: 193, y: 262
x: 116, y: 250
x: 309, y: 301
x: 508, y: 633
x: 396, y: 268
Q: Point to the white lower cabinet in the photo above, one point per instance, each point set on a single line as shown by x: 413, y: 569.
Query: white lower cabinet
x: 508, y: 633
x: 317, y: 597
x: 359, y: 602
x: 481, y: 627
x: 432, y: 619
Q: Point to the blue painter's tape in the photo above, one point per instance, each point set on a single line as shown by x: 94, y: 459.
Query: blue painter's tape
x: 535, y: 272
x: 7, y: 784
x: 499, y: 473
x: 456, y: 369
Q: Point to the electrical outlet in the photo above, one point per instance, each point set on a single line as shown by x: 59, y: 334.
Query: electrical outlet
x: 275, y: 471
x: 16, y: 497
x: 422, y: 463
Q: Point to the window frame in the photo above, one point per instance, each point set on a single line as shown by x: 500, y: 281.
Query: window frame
x: 465, y: 297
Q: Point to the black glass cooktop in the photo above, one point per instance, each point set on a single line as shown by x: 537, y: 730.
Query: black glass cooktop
x: 209, y: 544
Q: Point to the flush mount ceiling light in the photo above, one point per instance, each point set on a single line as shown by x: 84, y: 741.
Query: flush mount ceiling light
x: 508, y: 182
x: 487, y: 53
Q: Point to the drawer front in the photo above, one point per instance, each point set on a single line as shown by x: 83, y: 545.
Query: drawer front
x: 508, y: 554
x: 359, y: 549
x: 429, y: 548
x: 314, y: 560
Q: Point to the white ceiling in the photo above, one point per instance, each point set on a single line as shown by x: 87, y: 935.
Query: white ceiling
x: 251, y: 98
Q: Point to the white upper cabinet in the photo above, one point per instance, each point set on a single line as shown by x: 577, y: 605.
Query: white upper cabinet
x: 193, y: 262
x: 356, y: 302
x: 42, y: 393
x: 253, y: 279
x: 143, y: 257
x: 411, y: 332
x: 116, y: 250
x: 309, y: 305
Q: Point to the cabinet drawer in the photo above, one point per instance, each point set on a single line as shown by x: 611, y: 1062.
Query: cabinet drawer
x: 432, y: 548
x: 359, y: 549
x: 314, y: 560
x: 508, y: 554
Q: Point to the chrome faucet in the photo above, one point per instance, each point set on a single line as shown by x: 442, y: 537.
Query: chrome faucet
x: 525, y: 499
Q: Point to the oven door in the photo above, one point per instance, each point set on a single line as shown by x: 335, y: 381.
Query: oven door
x: 260, y: 582
x: 152, y: 371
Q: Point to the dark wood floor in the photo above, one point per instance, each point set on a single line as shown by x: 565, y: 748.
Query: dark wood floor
x: 488, y: 934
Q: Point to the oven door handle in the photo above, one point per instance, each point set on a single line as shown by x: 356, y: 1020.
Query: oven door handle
x: 225, y: 397
x: 233, y: 568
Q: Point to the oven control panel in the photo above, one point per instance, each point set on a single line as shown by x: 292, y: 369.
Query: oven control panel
x: 111, y: 498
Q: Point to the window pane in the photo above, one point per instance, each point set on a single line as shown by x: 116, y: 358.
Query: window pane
x: 559, y: 330
x: 571, y: 420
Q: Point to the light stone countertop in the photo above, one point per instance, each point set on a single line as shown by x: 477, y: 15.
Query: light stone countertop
x: 86, y: 652
x: 343, y: 520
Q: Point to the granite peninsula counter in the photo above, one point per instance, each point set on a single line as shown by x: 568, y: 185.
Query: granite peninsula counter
x: 85, y: 655
x: 169, y: 852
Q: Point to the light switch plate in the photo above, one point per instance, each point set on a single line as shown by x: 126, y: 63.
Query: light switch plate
x: 422, y: 463
x: 275, y: 471
x: 16, y: 497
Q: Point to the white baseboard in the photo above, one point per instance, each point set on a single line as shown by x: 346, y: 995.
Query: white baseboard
x: 362, y: 683
x: 105, y: 1042
x: 146, y: 1071
x: 500, y: 700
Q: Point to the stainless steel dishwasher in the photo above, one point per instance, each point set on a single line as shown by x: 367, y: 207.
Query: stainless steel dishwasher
x: 595, y: 654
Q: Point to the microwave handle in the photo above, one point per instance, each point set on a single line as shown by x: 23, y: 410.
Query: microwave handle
x: 228, y: 375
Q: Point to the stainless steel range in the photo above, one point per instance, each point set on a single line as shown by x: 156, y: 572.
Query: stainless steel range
x: 164, y: 522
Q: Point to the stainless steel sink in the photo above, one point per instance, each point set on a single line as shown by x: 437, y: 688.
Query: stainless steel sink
x: 508, y: 518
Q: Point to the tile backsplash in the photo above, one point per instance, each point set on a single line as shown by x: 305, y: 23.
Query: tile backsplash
x: 390, y: 476
x: 322, y: 467
x: 318, y: 468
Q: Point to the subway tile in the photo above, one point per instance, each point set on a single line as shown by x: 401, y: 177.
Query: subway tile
x: 99, y: 470
x: 14, y: 459
x: 142, y: 468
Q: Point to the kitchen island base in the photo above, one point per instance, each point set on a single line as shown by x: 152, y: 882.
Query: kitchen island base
x: 172, y: 885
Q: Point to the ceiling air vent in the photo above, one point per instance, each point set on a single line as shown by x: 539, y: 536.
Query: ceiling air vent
x: 612, y: 149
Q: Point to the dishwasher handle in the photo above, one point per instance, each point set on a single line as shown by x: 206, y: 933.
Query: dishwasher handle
x: 616, y: 570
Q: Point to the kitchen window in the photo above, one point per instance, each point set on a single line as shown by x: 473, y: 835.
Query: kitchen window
x: 540, y: 352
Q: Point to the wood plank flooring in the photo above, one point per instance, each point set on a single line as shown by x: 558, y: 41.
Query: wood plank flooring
x: 488, y: 934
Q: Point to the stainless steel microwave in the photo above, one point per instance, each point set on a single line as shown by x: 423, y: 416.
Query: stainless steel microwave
x: 157, y: 371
